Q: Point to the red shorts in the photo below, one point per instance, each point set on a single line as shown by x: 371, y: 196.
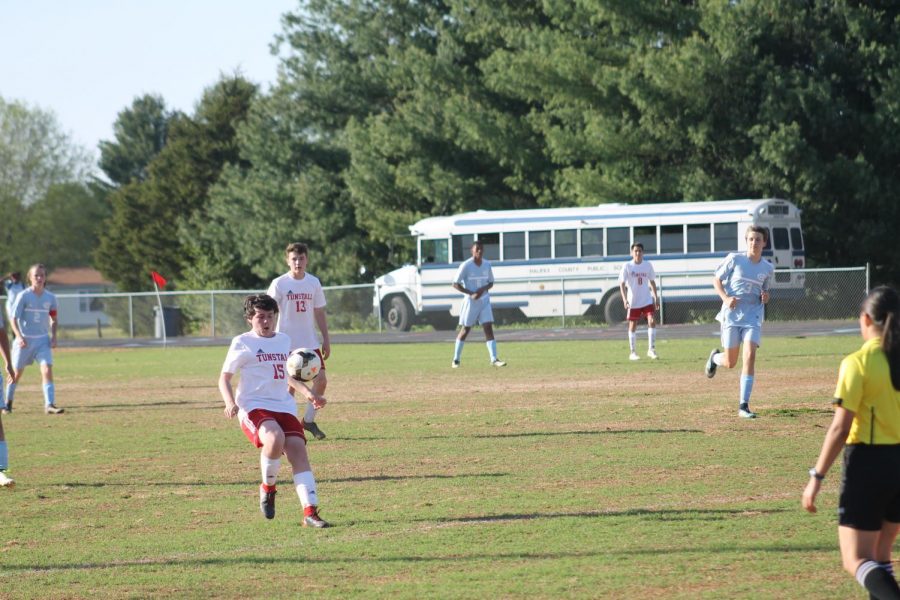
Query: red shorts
x: 634, y: 314
x: 290, y: 425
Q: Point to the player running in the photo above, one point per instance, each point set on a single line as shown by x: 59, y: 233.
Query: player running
x: 742, y: 282
x: 640, y: 299
x: 301, y: 304
x: 266, y: 409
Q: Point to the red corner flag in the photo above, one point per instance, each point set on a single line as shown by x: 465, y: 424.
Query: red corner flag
x: 158, y: 279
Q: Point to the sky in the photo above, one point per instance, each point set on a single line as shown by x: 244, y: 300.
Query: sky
x: 87, y: 60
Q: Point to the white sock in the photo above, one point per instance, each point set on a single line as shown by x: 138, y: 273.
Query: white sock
x: 632, y: 339
x: 719, y: 359
x: 269, y: 468
x: 306, y: 488
x: 310, y: 415
x: 651, y: 335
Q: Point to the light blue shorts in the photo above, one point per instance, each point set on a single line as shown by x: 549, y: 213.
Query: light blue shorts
x: 475, y: 312
x: 733, y: 335
x: 38, y: 349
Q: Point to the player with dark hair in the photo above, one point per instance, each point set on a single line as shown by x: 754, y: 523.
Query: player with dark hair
x: 265, y: 408
x: 34, y: 323
x: 742, y: 282
x: 866, y: 425
x: 637, y: 284
x: 301, y: 301
x: 474, y: 278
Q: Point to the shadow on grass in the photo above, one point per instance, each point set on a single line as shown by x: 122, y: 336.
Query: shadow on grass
x: 674, y: 514
x: 139, y: 405
x: 552, y: 433
x: 254, y: 483
x: 796, y: 412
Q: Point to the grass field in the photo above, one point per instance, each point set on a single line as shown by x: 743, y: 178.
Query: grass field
x: 571, y: 473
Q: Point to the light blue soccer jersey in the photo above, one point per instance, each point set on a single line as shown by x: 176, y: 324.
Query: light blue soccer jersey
x: 32, y: 312
x: 746, y: 281
x: 471, y: 276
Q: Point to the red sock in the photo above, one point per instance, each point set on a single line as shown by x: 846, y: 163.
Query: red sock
x: 268, y: 488
x: 309, y: 511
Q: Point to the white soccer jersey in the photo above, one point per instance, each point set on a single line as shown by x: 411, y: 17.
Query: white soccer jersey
x: 297, y: 299
x: 263, y: 379
x: 637, y: 279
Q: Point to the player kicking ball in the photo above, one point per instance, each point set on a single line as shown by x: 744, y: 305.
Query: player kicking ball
x: 265, y: 407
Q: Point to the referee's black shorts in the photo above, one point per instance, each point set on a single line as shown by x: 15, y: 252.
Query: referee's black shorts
x: 870, y: 486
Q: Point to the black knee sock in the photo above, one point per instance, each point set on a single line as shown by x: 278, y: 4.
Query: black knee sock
x: 880, y: 583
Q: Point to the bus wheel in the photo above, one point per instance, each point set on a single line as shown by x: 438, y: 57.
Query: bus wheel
x: 614, y: 310
x: 399, y: 313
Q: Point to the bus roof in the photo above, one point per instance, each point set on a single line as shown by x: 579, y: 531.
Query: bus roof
x: 532, y: 218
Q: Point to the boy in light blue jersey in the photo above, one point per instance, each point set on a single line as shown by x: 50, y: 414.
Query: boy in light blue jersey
x: 13, y: 286
x: 742, y: 282
x: 34, y: 325
x: 474, y: 278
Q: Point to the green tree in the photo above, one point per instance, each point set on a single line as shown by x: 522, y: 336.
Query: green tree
x: 150, y: 226
x: 140, y: 134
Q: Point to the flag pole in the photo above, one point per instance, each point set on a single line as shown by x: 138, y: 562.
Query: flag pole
x: 162, y: 315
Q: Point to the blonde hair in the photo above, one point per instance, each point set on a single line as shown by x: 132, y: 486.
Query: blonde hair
x: 32, y: 269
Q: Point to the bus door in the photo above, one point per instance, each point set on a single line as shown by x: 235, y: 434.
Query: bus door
x: 785, y: 250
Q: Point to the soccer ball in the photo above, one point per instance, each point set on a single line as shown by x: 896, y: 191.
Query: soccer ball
x: 303, y: 364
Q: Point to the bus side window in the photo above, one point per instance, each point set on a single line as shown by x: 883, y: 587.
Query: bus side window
x: 647, y: 237
x: 725, y: 237
x: 462, y: 247
x: 491, y: 243
x: 591, y: 242
x: 434, y: 251
x: 671, y: 239
x: 796, y: 238
x: 698, y: 239
x: 514, y: 246
x: 618, y: 241
x: 538, y: 244
x: 768, y: 245
x: 565, y: 243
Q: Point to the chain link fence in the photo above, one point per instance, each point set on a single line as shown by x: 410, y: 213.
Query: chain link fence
x: 797, y: 295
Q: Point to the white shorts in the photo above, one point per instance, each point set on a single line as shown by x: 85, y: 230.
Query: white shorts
x: 38, y: 349
x: 733, y: 335
x: 475, y: 312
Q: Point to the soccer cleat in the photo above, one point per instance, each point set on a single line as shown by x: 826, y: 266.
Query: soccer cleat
x: 267, y: 502
x: 314, y: 429
x: 711, y: 364
x: 311, y: 518
x: 634, y: 356
x: 498, y: 363
x: 745, y: 413
x: 454, y: 364
x: 7, y: 407
x: 6, y: 481
x: 52, y: 409
x: 652, y: 354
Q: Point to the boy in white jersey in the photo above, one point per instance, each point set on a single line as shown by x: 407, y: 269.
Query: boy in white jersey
x: 265, y: 407
x: 474, y: 278
x: 742, y: 282
x: 301, y: 304
x: 34, y: 325
x: 640, y: 299
x: 5, y: 479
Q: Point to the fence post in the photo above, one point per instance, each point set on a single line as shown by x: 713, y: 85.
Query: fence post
x: 378, y: 308
x: 662, y: 310
x: 131, y: 315
x: 212, y: 313
x: 562, y: 287
x: 868, y: 283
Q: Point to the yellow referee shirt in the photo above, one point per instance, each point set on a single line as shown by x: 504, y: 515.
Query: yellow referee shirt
x: 864, y: 388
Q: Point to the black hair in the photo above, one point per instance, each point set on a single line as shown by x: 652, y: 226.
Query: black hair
x: 637, y: 245
x: 883, y: 307
x: 259, y: 301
